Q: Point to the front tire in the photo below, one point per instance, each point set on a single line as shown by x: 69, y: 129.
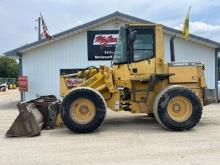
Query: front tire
x: 177, y: 108
x: 83, y: 110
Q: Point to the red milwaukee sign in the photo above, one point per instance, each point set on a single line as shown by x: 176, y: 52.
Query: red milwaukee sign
x: 105, y: 39
x: 23, y: 83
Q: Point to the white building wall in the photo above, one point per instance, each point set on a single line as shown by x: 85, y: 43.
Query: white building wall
x: 42, y: 65
x: 194, y: 52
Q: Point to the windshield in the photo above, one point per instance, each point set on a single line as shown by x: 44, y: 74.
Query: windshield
x: 120, y: 50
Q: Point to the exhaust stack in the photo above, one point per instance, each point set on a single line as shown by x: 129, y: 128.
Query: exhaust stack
x: 172, y: 49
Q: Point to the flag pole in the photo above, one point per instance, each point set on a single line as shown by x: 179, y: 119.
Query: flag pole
x: 189, y: 9
x: 39, y: 28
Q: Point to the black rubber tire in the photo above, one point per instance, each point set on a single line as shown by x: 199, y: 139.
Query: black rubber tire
x: 91, y: 95
x: 161, y: 103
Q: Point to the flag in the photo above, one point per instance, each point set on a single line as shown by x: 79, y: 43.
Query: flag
x: 46, y: 33
x: 185, y: 31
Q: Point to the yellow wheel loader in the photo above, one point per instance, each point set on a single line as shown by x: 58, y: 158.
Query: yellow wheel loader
x: 139, y: 81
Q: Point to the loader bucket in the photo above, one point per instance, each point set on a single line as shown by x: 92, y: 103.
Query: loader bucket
x: 34, y: 115
x: 25, y: 124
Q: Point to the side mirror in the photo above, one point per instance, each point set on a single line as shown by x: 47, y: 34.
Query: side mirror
x: 132, y: 36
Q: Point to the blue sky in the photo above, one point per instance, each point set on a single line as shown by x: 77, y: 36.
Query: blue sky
x: 18, y: 16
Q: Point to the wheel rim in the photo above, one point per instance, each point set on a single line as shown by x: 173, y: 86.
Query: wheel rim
x: 179, y: 108
x: 82, y: 111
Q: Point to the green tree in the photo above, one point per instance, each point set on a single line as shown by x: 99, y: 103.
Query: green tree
x: 8, y: 67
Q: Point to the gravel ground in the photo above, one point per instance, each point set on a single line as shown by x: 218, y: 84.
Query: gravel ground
x: 122, y: 139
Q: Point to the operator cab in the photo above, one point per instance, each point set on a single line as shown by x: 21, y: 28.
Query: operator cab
x: 135, y: 43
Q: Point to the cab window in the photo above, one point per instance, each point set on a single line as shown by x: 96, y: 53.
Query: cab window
x: 143, y: 47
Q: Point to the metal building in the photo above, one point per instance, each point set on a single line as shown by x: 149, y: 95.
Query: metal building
x: 42, y: 61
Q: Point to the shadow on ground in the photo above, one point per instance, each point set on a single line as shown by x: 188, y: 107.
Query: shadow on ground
x: 129, y: 124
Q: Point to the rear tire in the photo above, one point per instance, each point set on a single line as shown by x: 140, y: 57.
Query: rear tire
x: 83, y: 110
x: 177, y: 108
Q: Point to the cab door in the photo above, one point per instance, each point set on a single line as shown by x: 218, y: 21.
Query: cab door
x: 142, y: 64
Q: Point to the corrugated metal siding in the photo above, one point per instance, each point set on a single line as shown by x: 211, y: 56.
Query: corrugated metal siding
x: 191, y: 51
x: 42, y: 65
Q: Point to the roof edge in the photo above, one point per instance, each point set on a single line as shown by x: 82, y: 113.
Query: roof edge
x: 14, y: 52
x: 172, y: 30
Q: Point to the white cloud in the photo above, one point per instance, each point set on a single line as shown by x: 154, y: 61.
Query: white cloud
x: 199, y: 27
x: 18, y: 16
x: 203, y: 29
